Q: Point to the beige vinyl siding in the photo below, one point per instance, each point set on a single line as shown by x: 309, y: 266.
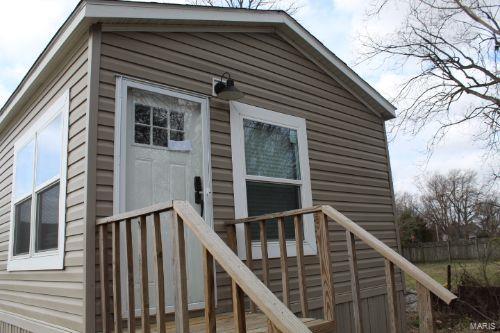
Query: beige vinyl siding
x: 348, y: 158
x: 53, y: 296
x: 8, y: 328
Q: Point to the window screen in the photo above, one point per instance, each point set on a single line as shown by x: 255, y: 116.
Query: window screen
x: 22, y: 227
x: 264, y: 198
x: 47, y: 218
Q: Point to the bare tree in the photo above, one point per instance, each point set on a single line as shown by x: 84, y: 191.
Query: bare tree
x: 450, y: 203
x: 291, y: 7
x: 488, y: 215
x: 455, y: 45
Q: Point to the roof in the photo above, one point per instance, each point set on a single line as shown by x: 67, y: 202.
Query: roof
x: 89, y: 12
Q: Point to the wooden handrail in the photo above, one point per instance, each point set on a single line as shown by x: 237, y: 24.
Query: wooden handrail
x: 271, y: 216
x: 280, y: 316
x: 157, y: 208
x: 391, y: 255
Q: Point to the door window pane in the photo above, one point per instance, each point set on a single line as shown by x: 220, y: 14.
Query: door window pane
x: 176, y: 136
x: 271, y: 150
x: 265, y: 198
x: 142, y: 134
x: 24, y: 170
x: 177, y: 121
x: 142, y: 114
x: 160, y: 117
x: 160, y: 137
x: 47, y: 221
x: 49, y: 146
x: 22, y: 224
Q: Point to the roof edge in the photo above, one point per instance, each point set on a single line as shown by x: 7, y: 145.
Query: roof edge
x: 87, y: 12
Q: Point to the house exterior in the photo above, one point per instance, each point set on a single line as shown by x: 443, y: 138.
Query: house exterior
x: 119, y: 112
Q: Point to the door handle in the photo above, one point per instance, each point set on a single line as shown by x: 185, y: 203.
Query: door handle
x: 198, y: 196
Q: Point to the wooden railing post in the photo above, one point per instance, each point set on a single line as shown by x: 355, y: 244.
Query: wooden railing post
x: 237, y: 293
x: 103, y: 263
x: 160, y: 282
x: 325, y: 262
x: 355, y: 292
x: 180, y: 276
x: 299, y: 243
x: 425, y: 313
x: 392, y: 299
x: 117, y: 300
x: 249, y: 254
x: 130, y: 276
x: 284, y: 262
x: 144, y: 274
x: 263, y: 247
x: 208, y: 265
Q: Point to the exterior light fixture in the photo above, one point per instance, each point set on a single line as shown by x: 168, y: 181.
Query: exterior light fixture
x: 227, y: 90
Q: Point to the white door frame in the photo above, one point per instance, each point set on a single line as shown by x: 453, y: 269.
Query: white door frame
x: 120, y: 143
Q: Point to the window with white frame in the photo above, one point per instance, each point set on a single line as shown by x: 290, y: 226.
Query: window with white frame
x: 270, y: 174
x: 39, y: 192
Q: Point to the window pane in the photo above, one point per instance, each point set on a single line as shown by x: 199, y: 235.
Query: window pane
x: 160, y: 117
x: 47, y: 221
x: 177, y: 121
x: 24, y: 170
x: 176, y: 136
x: 22, y: 227
x: 271, y: 150
x: 49, y: 146
x: 265, y: 198
x: 160, y: 137
x: 142, y: 134
x: 142, y: 114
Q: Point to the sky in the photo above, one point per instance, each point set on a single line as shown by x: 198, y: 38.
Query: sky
x: 336, y: 23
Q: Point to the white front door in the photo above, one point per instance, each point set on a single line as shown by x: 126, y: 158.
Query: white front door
x: 164, y: 152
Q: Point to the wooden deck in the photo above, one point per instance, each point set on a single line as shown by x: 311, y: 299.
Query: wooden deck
x: 256, y: 323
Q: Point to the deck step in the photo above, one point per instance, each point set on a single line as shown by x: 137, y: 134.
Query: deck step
x: 315, y: 325
x: 319, y: 325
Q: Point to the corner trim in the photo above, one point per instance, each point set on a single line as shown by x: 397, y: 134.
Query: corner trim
x: 94, y: 64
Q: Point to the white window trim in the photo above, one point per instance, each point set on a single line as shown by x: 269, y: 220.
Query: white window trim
x: 240, y: 111
x: 54, y: 259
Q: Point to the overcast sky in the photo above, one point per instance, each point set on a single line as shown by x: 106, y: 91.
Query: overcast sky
x: 27, y: 26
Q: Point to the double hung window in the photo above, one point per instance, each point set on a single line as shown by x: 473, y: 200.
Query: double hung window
x: 270, y: 173
x: 39, y: 192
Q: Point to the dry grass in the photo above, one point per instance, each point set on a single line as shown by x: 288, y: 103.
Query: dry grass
x: 438, y: 272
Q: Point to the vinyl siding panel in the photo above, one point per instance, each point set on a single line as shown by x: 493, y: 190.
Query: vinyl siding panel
x: 347, y: 145
x: 53, y: 296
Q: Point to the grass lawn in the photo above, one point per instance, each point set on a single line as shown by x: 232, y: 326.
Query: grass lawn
x: 438, y: 272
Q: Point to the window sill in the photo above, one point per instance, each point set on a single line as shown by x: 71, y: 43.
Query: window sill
x: 39, y: 262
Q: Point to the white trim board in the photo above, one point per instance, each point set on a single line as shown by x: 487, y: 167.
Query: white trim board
x: 240, y: 111
x: 91, y: 11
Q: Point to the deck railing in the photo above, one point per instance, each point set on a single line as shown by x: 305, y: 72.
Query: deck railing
x: 425, y: 284
x: 244, y: 281
x: 281, y: 319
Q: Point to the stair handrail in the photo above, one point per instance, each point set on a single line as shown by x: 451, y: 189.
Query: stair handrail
x: 280, y: 316
x: 397, y: 259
